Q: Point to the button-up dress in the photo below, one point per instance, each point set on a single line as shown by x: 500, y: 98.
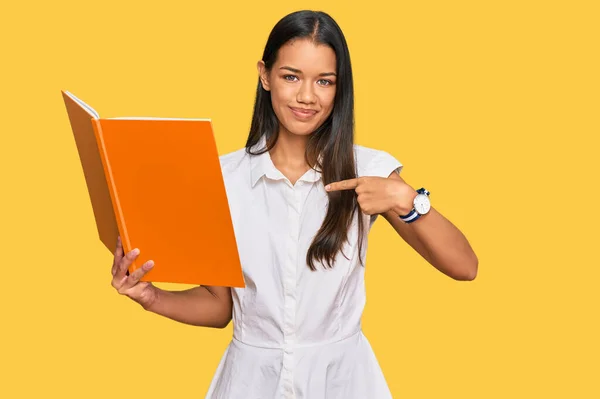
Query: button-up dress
x: 296, y: 332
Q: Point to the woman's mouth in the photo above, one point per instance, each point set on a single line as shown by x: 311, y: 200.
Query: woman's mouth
x: 302, y: 113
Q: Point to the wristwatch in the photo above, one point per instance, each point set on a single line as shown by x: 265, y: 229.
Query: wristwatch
x: 421, y: 205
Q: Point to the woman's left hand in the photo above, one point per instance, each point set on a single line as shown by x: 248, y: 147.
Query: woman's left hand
x: 378, y: 195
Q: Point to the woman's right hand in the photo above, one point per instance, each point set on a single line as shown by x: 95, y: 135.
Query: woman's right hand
x: 141, y: 292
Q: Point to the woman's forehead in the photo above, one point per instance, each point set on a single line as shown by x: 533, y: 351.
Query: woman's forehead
x: 305, y: 55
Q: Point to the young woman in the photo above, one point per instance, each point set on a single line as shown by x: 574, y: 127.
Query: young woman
x: 303, y: 197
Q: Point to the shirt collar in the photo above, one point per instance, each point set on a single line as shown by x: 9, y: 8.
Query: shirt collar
x: 262, y: 165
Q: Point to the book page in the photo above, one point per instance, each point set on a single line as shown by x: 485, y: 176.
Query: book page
x: 95, y: 114
x: 88, y: 109
x: 160, y: 118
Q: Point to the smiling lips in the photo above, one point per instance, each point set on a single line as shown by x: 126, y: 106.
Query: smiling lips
x: 303, y: 113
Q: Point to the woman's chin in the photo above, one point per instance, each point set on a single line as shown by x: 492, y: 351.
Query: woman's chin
x: 300, y: 129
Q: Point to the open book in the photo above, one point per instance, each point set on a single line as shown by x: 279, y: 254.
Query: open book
x: 157, y: 182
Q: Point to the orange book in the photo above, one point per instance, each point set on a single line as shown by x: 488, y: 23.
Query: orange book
x: 157, y: 182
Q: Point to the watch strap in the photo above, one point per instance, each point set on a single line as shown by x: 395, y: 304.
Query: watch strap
x: 411, y: 216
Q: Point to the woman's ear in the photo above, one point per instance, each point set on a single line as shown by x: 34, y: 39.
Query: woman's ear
x: 263, y: 75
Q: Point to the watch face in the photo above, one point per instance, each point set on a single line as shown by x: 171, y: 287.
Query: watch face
x: 422, y: 204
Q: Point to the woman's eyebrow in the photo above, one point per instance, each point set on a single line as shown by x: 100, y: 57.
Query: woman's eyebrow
x: 299, y: 71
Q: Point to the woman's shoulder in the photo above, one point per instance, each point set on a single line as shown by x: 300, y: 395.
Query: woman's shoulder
x: 232, y: 160
x: 375, y: 162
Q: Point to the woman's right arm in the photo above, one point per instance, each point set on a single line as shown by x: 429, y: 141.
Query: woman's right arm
x: 204, y: 306
x: 199, y: 306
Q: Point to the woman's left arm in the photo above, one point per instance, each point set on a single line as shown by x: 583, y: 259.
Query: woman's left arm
x: 433, y: 236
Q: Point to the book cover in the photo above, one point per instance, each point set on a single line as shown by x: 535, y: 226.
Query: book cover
x: 157, y: 182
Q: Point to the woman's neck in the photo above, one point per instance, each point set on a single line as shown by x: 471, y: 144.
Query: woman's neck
x: 288, y: 155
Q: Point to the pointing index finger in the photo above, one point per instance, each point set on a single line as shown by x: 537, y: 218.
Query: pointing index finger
x: 349, y: 184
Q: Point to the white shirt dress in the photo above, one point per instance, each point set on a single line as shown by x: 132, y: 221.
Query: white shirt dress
x: 296, y: 332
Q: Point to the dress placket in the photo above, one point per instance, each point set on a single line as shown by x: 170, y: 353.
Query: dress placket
x: 293, y: 201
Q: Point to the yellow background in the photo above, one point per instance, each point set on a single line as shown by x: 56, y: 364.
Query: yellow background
x: 493, y: 106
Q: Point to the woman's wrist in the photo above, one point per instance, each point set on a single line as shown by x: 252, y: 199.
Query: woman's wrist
x: 154, y: 301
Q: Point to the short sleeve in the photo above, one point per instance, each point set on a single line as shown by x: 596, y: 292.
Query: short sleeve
x: 382, y: 165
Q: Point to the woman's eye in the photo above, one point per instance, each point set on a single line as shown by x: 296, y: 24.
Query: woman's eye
x: 322, y: 82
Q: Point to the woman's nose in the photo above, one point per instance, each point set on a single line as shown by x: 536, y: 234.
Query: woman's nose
x: 306, y: 93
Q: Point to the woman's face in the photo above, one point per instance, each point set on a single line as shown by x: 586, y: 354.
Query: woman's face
x: 302, y: 85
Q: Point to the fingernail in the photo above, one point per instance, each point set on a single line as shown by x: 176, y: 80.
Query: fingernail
x: 149, y: 264
x: 327, y: 187
x: 135, y: 252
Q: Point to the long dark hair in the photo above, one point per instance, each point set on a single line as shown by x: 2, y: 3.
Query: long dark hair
x: 330, y: 147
